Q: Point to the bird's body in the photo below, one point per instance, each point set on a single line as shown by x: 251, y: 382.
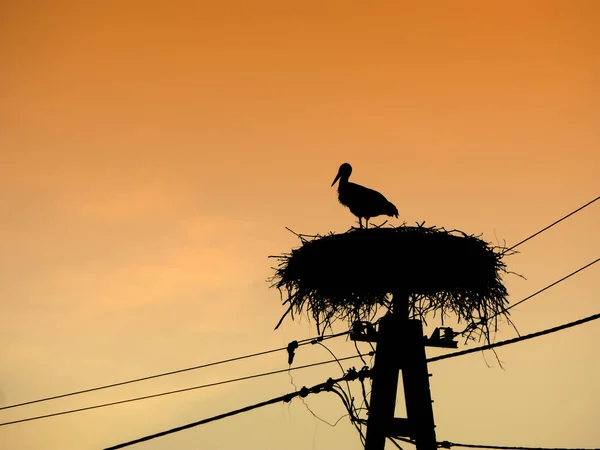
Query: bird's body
x: 362, y: 201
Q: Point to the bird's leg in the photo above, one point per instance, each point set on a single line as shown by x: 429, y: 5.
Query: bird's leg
x: 360, y: 222
x: 367, y: 222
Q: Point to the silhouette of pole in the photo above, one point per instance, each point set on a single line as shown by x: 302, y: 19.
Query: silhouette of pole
x: 415, y: 379
x: 385, y: 375
x: 400, y: 346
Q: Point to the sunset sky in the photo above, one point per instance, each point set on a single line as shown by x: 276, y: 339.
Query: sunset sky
x: 154, y: 152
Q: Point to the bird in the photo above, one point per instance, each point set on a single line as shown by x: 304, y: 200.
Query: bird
x: 362, y: 201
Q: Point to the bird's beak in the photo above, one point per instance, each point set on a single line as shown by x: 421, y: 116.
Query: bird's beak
x: 336, y: 178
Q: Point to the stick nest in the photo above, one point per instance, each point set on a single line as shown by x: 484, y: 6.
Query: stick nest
x: 350, y: 275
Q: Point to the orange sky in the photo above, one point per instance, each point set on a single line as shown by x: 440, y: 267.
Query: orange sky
x: 154, y: 152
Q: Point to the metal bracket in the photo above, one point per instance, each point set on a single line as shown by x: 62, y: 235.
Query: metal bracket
x: 438, y: 340
x: 363, y: 331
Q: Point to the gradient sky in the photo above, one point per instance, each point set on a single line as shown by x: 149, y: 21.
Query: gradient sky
x: 154, y: 152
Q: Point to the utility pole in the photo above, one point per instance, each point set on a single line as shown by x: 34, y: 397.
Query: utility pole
x: 401, y: 346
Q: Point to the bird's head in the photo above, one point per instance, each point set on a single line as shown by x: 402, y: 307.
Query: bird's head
x: 344, y: 172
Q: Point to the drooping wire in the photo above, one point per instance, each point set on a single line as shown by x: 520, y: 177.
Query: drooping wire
x: 312, y: 340
x: 517, y: 339
x: 161, y: 394
x: 364, y: 405
x: 293, y: 383
x: 339, y: 364
x: 348, y: 404
x: 347, y: 397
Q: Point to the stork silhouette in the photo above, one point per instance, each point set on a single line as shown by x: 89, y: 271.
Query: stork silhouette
x: 362, y: 201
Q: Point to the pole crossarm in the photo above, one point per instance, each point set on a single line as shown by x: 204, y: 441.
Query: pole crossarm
x: 517, y: 339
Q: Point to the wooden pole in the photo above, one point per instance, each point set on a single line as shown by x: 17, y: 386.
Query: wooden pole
x: 415, y: 379
x: 400, y: 345
x: 385, y: 375
x: 385, y: 384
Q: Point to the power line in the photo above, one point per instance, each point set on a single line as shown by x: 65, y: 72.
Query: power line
x: 553, y: 284
x: 177, y: 391
x: 397, y: 438
x: 517, y: 339
x: 303, y: 342
x: 393, y: 441
x: 446, y: 444
x: 314, y: 340
x: 303, y: 392
x: 552, y: 224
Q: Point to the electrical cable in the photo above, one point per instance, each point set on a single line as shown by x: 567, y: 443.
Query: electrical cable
x: 306, y: 404
x: 393, y: 441
x: 346, y: 397
x: 554, y: 283
x: 326, y: 386
x: 347, y: 402
x: 517, y: 339
x: 397, y: 438
x: 314, y: 340
x: 552, y: 224
x: 160, y: 394
x: 446, y: 444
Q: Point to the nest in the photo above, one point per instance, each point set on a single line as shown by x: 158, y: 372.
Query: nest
x: 351, y: 275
